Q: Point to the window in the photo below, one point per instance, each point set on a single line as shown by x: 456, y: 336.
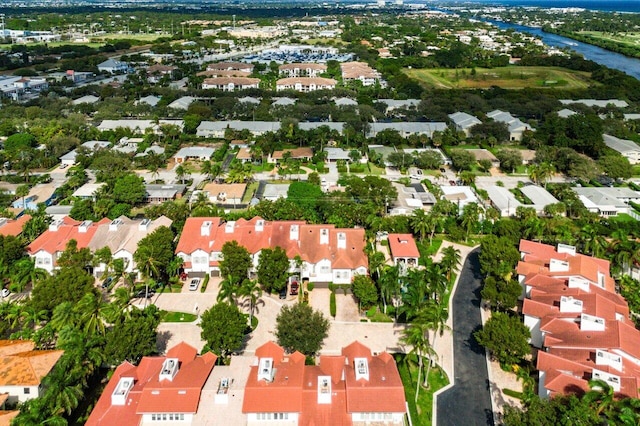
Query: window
x: 27, y: 391
x: 154, y: 418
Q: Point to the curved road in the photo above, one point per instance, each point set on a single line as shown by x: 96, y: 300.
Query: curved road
x: 468, y: 402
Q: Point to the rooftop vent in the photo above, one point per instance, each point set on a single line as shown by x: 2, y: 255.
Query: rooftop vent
x: 607, y: 358
x: 265, y: 369
x: 229, y: 226
x: 361, y: 366
x: 565, y: 248
x: 205, y: 229
x: 324, y: 389
x: 84, y: 226
x: 169, y: 369
x: 55, y: 225
x: 119, y: 395
x: 610, y: 379
x: 259, y: 225
x: 294, y: 232
x: 557, y: 265
x: 577, y: 282
x: 591, y: 323
x: 569, y: 304
x: 144, y: 225
x: 3, y: 221
x: 113, y: 226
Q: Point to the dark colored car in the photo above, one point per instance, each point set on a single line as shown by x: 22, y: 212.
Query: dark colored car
x: 107, y: 282
x: 283, y: 293
x: 294, y: 288
x: 144, y: 293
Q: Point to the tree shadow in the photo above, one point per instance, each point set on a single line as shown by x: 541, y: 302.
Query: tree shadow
x: 473, y: 344
x: 162, y: 339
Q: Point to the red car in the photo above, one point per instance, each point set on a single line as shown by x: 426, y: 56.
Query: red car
x: 294, y: 288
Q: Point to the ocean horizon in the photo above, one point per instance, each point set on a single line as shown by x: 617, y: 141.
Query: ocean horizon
x: 603, y: 5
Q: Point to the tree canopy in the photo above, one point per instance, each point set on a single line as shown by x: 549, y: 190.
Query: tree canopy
x: 300, y: 328
x: 223, y: 328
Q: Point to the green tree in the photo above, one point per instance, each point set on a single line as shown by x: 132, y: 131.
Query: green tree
x: 68, y: 284
x: 21, y: 192
x: 129, y: 189
x: 132, y: 338
x: 510, y: 159
x: 501, y: 294
x: 450, y: 260
x: 365, y: 291
x: 616, y: 166
x: 273, y: 267
x: 300, y: 328
x: 498, y: 257
x: 251, y: 291
x: 462, y: 159
x: 235, y: 263
x: 155, y: 253
x: 223, y: 327
x: 506, y: 337
x: 416, y: 335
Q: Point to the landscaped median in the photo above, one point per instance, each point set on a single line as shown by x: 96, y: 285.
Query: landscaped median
x: 170, y: 316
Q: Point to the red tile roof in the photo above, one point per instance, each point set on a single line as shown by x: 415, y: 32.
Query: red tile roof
x: 277, y: 234
x: 403, y: 245
x: 14, y: 227
x: 53, y: 241
x: 294, y: 387
x: 149, y: 394
x: 20, y: 365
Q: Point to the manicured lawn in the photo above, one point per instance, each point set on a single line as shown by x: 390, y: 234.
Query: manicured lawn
x: 421, y: 413
x: 427, y: 250
x: 250, y: 191
x: 510, y: 77
x: 631, y: 39
x: 167, y: 316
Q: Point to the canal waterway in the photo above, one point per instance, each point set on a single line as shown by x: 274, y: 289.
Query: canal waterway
x: 596, y: 54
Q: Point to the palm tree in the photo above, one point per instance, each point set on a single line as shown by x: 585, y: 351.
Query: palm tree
x: 227, y: 291
x: 601, y: 397
x: 541, y: 173
x: 389, y: 284
x: 450, y: 260
x: 62, y: 394
x: 421, y: 223
x: 25, y: 273
x: 180, y: 173
x: 147, y: 261
x: 21, y: 192
x: 435, y: 317
x: 251, y: 290
x: 470, y: 215
x: 90, y: 309
x: 415, y: 335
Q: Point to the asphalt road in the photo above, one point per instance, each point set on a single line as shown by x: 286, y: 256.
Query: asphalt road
x: 468, y: 402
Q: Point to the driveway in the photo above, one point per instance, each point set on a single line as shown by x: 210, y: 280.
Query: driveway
x: 468, y: 401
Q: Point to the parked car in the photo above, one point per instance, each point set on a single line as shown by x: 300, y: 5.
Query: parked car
x: 5, y: 292
x: 145, y: 293
x: 293, y: 291
x: 283, y: 293
x: 193, y: 285
x: 107, y: 282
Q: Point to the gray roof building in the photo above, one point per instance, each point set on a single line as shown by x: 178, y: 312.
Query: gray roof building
x: 308, y: 125
x: 88, y: 99
x: 596, y: 102
x: 345, y: 102
x: 283, y: 102
x: 182, y: 103
x: 408, y: 128
x: 249, y: 100
x: 274, y: 191
x: 463, y: 122
x: 629, y: 149
x: 149, y: 100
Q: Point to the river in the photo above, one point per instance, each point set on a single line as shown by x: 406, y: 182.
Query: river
x: 597, y: 54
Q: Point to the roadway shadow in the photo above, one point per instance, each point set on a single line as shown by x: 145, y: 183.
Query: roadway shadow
x: 162, y: 339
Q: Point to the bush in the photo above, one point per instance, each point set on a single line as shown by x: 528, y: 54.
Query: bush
x: 332, y: 304
x: 204, y: 283
x: 310, y: 286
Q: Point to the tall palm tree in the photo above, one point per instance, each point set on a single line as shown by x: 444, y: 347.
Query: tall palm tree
x: 251, y: 290
x: 90, y: 309
x: 470, y: 215
x: 450, y: 260
x: 600, y: 397
x: 416, y: 336
x: 434, y: 316
x: 389, y: 284
x: 62, y: 394
x: 421, y: 223
x: 228, y: 291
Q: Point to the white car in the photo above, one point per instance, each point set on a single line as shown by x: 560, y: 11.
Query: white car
x: 5, y: 292
x: 193, y: 285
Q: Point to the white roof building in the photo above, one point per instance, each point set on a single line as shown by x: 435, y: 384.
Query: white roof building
x: 629, y: 149
x: 596, y: 102
x: 407, y: 129
x: 182, y: 103
x: 515, y: 126
x: 607, y: 201
x: 460, y: 195
x: 463, y: 122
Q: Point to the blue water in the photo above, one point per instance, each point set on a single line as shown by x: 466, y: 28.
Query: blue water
x: 609, y: 5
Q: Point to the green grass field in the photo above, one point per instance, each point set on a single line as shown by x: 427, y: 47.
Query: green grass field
x: 628, y: 39
x: 511, y: 77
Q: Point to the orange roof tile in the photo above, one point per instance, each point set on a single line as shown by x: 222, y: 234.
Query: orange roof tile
x: 26, y: 368
x: 54, y: 241
x: 14, y: 227
x: 151, y: 395
x: 403, y: 245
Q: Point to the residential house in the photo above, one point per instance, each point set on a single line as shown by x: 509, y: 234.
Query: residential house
x: 113, y: 66
x: 230, y: 84
x: 304, y: 154
x: 158, y: 194
x: 463, y: 122
x: 139, y: 127
x: 403, y: 250
x: 566, y: 113
x: 182, y: 103
x: 283, y: 102
x: 249, y: 100
x: 607, y: 201
x: 88, y: 191
x: 629, y: 149
x: 396, y: 104
x: 157, y: 72
x: 503, y: 200
x: 200, y: 153
x: 579, y: 322
x: 223, y: 73
x: 539, y: 197
x: 409, y: 198
x: 407, y: 129
x: 515, y: 126
x: 359, y: 71
x: 328, y: 254
x: 302, y: 69
x: 46, y: 249
x: 273, y: 191
x: 160, y: 389
x: 70, y: 157
x: 150, y: 100
x: 460, y: 195
x: 39, y: 194
x: 244, y: 155
x: 313, y: 125
x: 484, y: 154
x: 87, y: 99
x: 230, y: 66
x: 23, y: 368
x: 217, y: 129
x: 345, y: 102
x: 305, y: 84
x: 228, y: 194
x: 122, y: 236
x: 352, y: 388
x: 13, y: 227
x: 601, y: 103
